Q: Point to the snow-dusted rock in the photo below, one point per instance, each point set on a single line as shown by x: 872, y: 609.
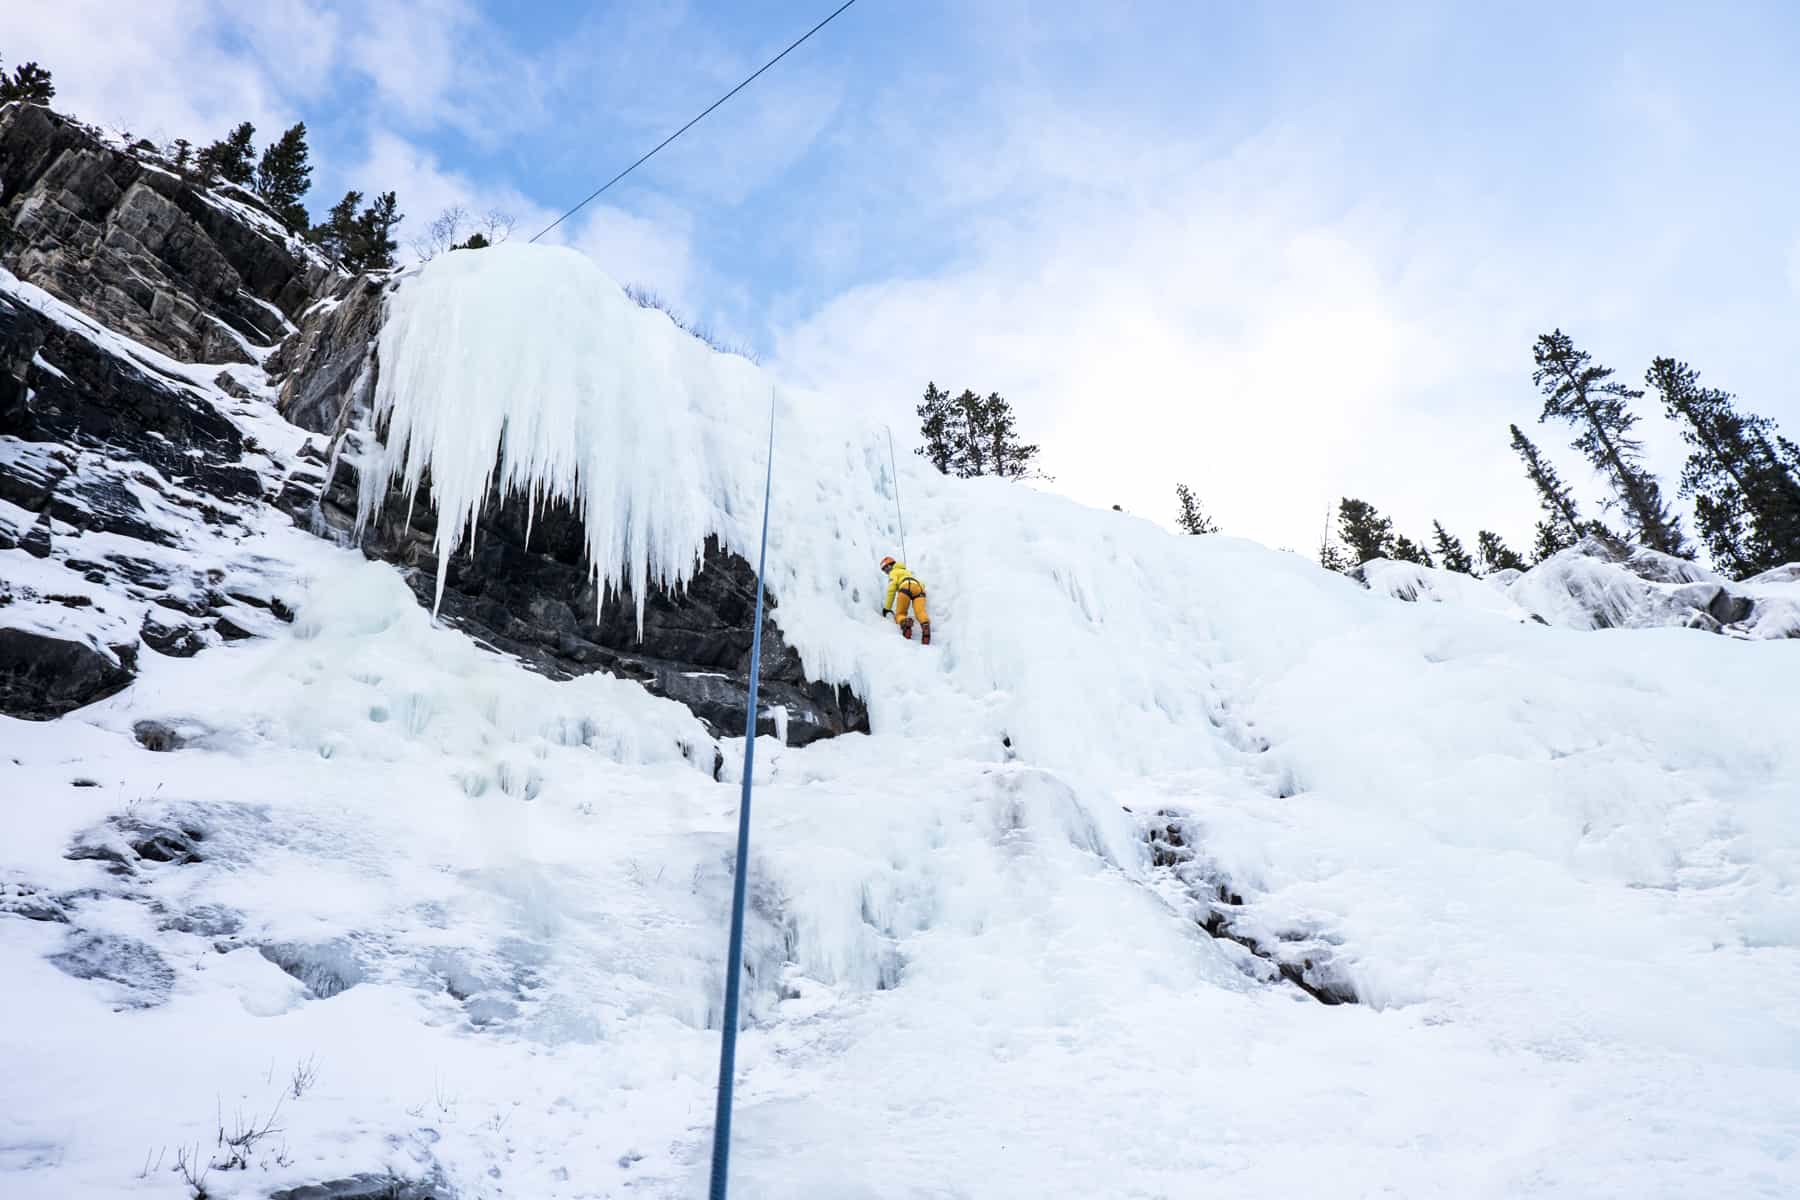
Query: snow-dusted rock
x: 1604, y: 584
x: 43, y: 675
x: 199, y: 274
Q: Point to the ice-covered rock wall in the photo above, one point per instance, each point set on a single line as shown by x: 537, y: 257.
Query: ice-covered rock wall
x: 1605, y: 584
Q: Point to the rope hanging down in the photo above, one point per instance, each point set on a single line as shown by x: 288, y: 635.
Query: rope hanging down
x: 795, y: 45
x: 734, y: 957
x: 897, y: 510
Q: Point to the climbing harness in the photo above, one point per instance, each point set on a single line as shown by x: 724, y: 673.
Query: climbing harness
x: 734, y: 957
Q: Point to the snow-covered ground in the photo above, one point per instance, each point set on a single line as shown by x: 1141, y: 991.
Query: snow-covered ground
x: 1558, y: 868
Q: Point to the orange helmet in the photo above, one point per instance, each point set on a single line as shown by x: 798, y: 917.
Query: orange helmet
x: 887, y: 562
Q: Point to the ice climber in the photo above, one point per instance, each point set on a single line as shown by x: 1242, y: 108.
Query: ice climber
x: 904, y: 592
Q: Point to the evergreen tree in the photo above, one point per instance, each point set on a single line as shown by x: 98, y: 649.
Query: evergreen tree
x: 284, y: 175
x: 1330, y: 556
x: 1746, y: 499
x: 181, y: 154
x: 337, y: 232
x: 28, y: 82
x: 971, y: 435
x: 1407, y: 550
x: 1450, y: 549
x: 1366, y: 534
x: 1552, y: 538
x: 934, y: 426
x: 967, y: 418
x: 372, y: 244
x: 1189, y: 516
x: 1587, y: 397
x: 230, y: 157
x: 1495, y: 555
x: 476, y: 241
x: 1560, y: 511
x: 1005, y: 454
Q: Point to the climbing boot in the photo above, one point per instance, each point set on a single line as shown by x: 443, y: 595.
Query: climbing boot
x: 906, y: 628
x: 924, y: 633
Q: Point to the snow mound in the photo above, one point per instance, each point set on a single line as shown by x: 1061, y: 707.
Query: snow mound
x: 1412, y: 581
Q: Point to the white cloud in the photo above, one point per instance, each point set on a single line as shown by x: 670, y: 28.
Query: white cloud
x: 154, y: 67
x: 441, y: 63
x: 1208, y: 327
x: 656, y: 254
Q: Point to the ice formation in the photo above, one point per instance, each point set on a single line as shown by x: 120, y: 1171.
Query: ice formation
x: 1558, y: 869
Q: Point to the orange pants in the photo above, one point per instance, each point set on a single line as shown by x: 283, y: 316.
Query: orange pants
x: 913, y: 596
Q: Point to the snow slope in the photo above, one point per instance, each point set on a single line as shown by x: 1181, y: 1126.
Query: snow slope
x: 1558, y: 869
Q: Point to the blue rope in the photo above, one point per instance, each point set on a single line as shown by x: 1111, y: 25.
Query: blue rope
x: 734, y: 958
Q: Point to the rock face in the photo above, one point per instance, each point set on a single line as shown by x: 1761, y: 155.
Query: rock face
x: 193, y: 272
x: 328, y: 367
x: 125, y: 474
x: 60, y: 385
x: 43, y: 675
x: 534, y: 599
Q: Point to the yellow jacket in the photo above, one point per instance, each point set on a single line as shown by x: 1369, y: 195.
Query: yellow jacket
x: 897, y: 575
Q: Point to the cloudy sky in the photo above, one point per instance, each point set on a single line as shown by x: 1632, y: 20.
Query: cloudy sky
x: 1284, y: 252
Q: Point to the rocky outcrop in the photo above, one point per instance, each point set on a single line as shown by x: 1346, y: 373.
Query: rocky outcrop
x: 44, y: 675
x: 60, y: 384
x: 533, y: 597
x: 328, y: 368
x: 123, y: 481
x: 201, y: 274
x: 1604, y: 583
x: 1304, y: 957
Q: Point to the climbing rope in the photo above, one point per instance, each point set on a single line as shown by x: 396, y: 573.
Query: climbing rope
x: 792, y: 46
x: 734, y: 956
x: 897, y: 511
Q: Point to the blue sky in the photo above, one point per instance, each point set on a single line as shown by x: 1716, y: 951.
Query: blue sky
x: 1284, y: 252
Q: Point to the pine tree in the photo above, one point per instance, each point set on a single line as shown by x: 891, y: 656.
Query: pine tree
x: 1006, y: 455
x: 1560, y: 509
x: 1746, y: 499
x: 1366, y: 534
x: 28, y: 82
x: 181, y: 154
x: 372, y: 244
x: 1587, y: 397
x: 339, y: 228
x: 1189, y: 516
x: 1450, y: 549
x: 1407, y: 550
x: 230, y: 157
x: 284, y: 175
x: 1552, y: 538
x: 967, y: 418
x: 934, y: 426
x: 971, y: 435
x: 1495, y: 555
